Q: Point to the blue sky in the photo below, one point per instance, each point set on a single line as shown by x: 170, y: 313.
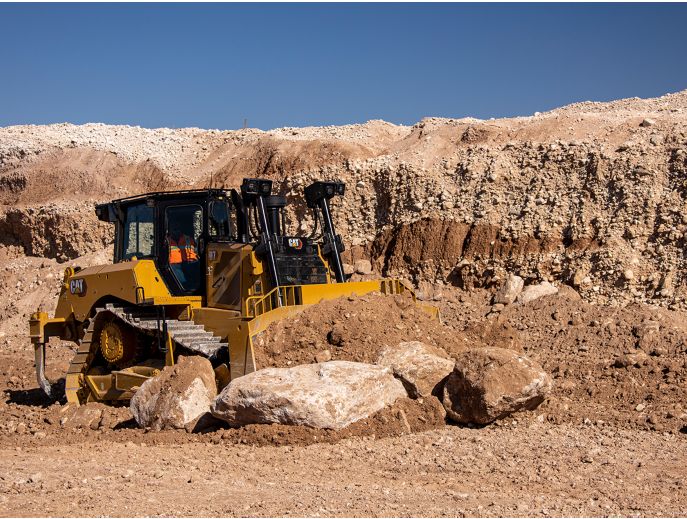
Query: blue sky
x: 212, y: 65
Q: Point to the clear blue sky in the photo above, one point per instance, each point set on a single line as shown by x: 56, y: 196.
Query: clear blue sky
x: 211, y: 65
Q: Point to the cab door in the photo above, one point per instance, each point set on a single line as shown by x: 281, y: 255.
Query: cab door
x: 181, y: 258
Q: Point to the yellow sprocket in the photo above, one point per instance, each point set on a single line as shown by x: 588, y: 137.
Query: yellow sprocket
x: 118, y: 343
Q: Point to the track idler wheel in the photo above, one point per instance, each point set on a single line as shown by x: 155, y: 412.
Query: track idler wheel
x: 118, y: 343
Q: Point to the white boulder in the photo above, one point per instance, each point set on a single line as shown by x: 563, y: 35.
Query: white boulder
x: 329, y: 395
x: 532, y: 292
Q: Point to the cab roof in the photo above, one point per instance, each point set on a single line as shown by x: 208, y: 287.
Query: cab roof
x: 166, y: 195
x: 107, y: 212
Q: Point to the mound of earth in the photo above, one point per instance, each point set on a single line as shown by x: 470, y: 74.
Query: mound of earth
x: 355, y: 328
x: 626, y: 366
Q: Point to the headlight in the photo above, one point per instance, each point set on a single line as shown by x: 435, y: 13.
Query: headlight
x: 319, y: 190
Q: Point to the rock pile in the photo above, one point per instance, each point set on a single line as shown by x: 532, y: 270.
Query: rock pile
x: 480, y: 386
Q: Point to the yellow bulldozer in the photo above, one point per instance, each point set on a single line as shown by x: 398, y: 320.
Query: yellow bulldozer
x: 195, y: 272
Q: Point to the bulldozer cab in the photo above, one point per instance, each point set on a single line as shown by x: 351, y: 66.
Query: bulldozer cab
x: 202, y: 241
x: 173, y: 229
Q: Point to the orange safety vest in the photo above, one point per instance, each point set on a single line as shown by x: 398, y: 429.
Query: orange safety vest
x: 182, y: 251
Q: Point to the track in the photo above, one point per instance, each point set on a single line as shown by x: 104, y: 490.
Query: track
x: 186, y: 334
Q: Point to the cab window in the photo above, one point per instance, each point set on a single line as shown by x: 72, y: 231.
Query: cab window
x: 221, y: 226
x: 184, y: 226
x: 138, y: 232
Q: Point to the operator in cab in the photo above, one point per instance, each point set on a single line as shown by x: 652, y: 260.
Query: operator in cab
x: 183, y: 254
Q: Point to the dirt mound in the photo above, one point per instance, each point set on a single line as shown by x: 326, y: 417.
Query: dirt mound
x: 351, y: 328
x: 624, y: 366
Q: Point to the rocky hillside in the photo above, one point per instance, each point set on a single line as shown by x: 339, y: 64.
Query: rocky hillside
x: 593, y: 195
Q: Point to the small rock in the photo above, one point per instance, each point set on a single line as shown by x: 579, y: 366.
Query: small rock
x: 647, y: 122
x: 532, y: 292
x: 363, y: 267
x: 335, y: 337
x: 86, y: 416
x: 510, y: 290
x: 579, y: 277
x: 637, y: 360
x: 323, y: 356
x: 640, y: 407
x: 628, y: 275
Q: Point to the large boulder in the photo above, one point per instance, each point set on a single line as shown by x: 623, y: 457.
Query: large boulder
x: 419, y: 366
x: 532, y: 292
x: 329, y: 395
x: 510, y: 290
x: 490, y: 383
x: 178, y: 398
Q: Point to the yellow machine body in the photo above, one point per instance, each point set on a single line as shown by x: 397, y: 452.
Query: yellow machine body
x: 129, y: 325
x: 236, y: 316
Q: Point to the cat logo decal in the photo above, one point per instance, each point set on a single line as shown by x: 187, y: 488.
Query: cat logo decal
x: 77, y: 286
x: 295, y: 243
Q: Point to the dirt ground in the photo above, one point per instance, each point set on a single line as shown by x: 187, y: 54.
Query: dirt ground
x: 506, y: 470
x: 610, y: 440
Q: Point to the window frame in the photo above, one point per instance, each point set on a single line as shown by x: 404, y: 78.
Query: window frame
x: 231, y: 236
x: 124, y: 230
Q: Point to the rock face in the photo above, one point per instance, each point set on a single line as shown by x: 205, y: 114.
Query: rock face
x: 490, y: 383
x: 178, y: 398
x: 329, y: 395
x: 533, y: 292
x: 419, y: 366
x: 510, y: 290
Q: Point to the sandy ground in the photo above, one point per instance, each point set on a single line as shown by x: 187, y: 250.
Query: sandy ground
x: 507, y: 470
x: 609, y: 441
